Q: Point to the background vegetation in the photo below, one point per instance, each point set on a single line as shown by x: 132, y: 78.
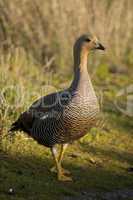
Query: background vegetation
x: 36, y: 39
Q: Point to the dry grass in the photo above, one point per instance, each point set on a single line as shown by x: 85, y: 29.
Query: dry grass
x: 35, y: 24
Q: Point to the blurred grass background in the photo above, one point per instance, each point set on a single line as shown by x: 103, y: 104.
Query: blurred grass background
x: 36, y: 39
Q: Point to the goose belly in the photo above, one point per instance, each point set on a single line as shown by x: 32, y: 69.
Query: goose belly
x: 80, y: 117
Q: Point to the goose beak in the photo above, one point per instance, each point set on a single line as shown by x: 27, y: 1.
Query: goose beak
x: 100, y: 46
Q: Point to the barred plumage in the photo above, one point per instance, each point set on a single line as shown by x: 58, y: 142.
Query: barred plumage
x: 65, y: 116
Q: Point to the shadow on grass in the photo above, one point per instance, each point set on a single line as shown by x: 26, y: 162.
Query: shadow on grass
x: 30, y: 178
x: 112, y: 154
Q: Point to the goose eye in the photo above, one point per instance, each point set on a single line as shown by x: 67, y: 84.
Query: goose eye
x: 87, y: 40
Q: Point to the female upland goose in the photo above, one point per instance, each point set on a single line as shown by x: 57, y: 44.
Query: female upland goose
x: 65, y: 116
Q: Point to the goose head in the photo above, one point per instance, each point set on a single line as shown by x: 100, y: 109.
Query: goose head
x: 88, y: 42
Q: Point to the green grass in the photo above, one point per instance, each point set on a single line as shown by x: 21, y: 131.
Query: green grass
x: 25, y: 167
x: 24, y: 164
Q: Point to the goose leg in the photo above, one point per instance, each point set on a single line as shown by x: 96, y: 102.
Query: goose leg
x: 63, y: 148
x: 60, y: 174
x: 60, y: 157
x: 62, y: 151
